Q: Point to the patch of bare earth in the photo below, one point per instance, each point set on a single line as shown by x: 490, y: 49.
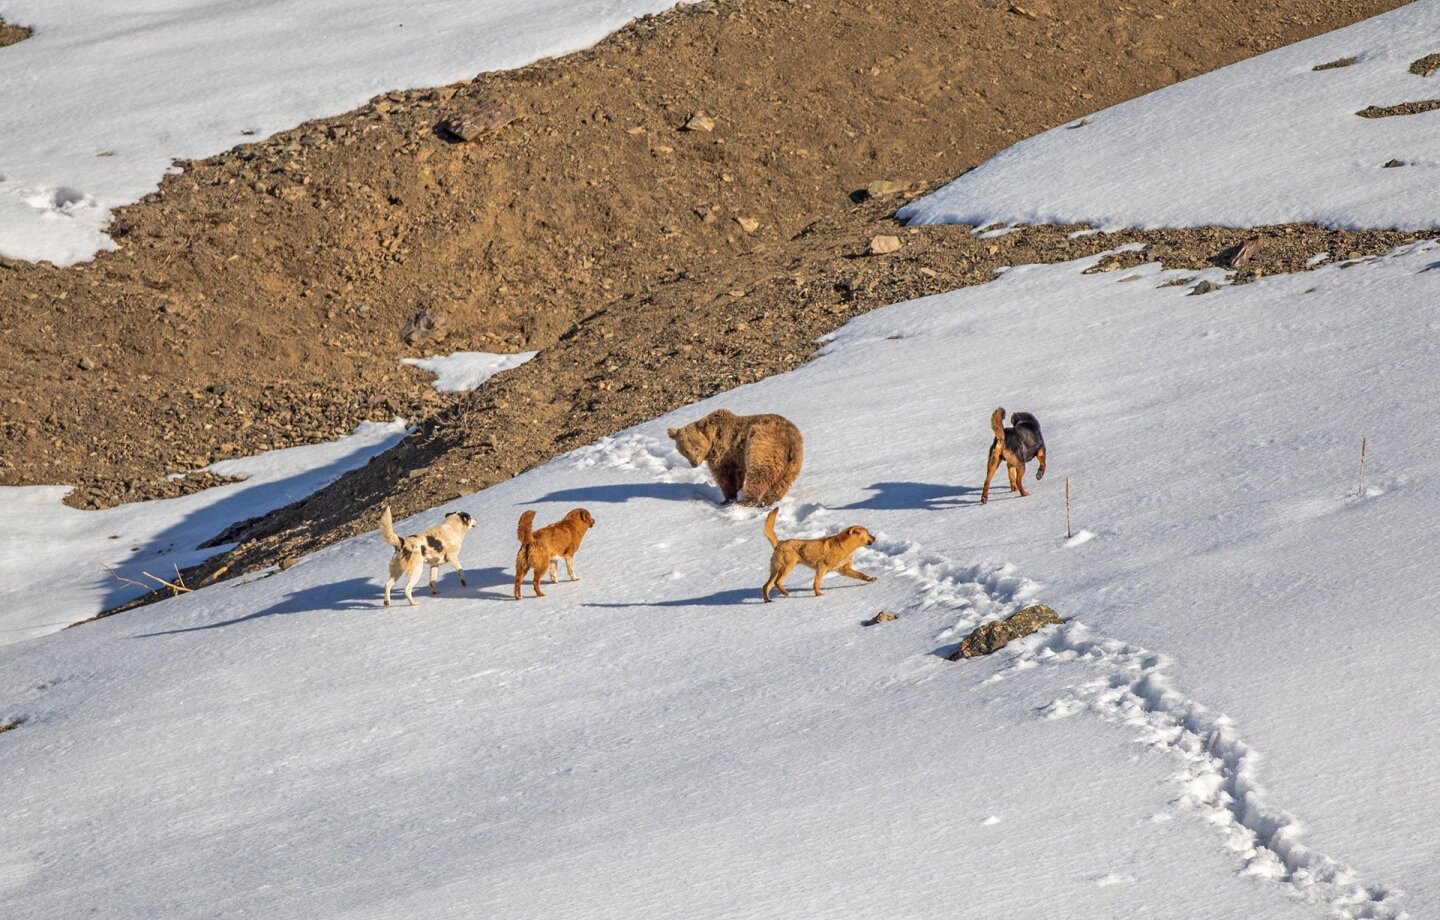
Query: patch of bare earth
x: 1404, y: 108
x: 11, y: 34
x: 257, y: 299
x: 1426, y: 65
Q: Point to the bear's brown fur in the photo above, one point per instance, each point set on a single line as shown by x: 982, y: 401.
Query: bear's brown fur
x: 760, y: 454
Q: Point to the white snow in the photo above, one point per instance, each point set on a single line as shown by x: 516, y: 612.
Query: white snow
x: 466, y: 370
x: 1267, y: 140
x: 96, y: 104
x: 653, y: 740
x: 52, y: 556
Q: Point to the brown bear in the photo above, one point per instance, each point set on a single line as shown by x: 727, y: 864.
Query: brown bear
x: 757, y: 453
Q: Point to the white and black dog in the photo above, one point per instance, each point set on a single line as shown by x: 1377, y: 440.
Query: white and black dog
x: 436, y: 546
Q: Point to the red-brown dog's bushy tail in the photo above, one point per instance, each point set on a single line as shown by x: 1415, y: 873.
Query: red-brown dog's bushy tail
x: 387, y: 528
x: 525, y: 531
x: 997, y: 424
x: 770, y: 527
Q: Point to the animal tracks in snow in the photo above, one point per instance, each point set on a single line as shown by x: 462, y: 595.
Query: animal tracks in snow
x: 1218, y: 773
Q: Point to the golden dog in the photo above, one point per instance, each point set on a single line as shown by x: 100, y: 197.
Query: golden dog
x: 540, y: 548
x: 824, y: 555
x: 436, y: 546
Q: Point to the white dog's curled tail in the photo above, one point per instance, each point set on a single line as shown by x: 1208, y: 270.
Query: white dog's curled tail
x: 387, y: 528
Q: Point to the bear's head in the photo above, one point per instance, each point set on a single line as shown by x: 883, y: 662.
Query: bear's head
x: 692, y: 442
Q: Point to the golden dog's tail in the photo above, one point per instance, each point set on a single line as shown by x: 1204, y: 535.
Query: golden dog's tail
x: 770, y: 527
x: 997, y: 424
x: 387, y: 528
x: 525, y: 530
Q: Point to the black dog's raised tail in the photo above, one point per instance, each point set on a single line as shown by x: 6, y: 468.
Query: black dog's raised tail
x: 1024, y: 420
x: 997, y: 424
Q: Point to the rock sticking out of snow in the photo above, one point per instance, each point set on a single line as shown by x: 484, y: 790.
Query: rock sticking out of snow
x: 991, y: 637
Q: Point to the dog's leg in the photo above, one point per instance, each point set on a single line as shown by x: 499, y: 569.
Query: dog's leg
x: 850, y: 570
x: 410, y: 583
x: 1010, y: 471
x: 539, y: 571
x: 776, y: 574
x: 1040, y: 455
x: 455, y: 564
x: 389, y: 583
x: 554, y: 571
x: 434, y: 573
x: 570, y: 568
x: 1020, y: 480
x: 819, y: 574
x: 519, y: 577
x: 991, y: 465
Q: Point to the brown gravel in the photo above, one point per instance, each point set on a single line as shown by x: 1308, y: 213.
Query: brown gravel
x: 1403, y: 108
x: 9, y: 34
x: 257, y: 298
x: 1426, y: 65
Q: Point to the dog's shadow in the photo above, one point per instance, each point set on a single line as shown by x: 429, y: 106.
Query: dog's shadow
x: 354, y: 594
x: 914, y: 496
x: 735, y: 596
x: 622, y: 492
x: 718, y: 599
x: 483, y: 579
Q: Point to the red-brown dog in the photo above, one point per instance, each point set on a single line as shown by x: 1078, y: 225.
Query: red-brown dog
x: 540, y: 548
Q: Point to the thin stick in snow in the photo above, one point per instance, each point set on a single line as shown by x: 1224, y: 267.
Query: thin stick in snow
x: 1068, y: 534
x: 1361, y: 493
x: 177, y: 586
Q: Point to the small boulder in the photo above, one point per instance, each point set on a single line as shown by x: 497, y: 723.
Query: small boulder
x: 882, y: 188
x: 884, y: 245
x: 481, y: 118
x: 990, y: 637
x: 425, y: 326
x: 883, y: 616
x: 699, y: 122
x: 1246, y: 252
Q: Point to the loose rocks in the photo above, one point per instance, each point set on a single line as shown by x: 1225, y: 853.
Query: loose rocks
x: 990, y: 637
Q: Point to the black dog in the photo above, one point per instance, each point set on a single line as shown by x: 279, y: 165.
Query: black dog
x: 1016, y: 445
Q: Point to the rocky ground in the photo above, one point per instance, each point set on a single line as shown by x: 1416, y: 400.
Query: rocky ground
x: 10, y: 34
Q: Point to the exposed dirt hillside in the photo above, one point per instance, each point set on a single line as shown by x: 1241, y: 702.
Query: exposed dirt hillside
x: 257, y: 298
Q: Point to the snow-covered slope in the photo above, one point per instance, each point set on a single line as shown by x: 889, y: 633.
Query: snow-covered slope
x: 653, y: 740
x: 1267, y: 140
x: 53, y: 557
x: 97, y: 103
